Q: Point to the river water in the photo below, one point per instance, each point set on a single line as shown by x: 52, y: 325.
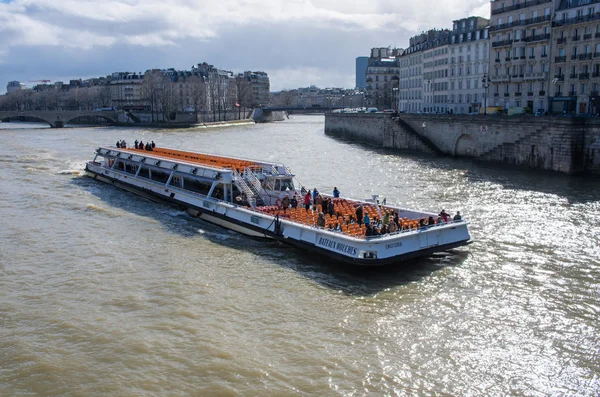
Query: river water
x: 103, y: 293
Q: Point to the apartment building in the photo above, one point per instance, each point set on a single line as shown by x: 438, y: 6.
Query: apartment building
x: 576, y: 62
x: 520, y: 33
x: 468, y: 65
x: 382, y: 77
x: 423, y: 77
x: 126, y: 90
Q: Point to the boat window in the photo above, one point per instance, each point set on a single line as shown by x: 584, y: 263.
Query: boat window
x: 132, y: 169
x: 144, y: 173
x: 277, y: 185
x: 197, y: 186
x: 160, y: 176
x: 287, y: 184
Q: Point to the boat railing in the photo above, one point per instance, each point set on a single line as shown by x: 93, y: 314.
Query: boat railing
x: 239, y: 180
x: 251, y: 178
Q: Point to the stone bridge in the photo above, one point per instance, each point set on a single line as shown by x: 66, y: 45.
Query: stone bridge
x: 58, y: 118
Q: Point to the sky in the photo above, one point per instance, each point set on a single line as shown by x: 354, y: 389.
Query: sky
x: 297, y: 42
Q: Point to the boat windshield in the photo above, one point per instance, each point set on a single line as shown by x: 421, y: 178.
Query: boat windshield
x: 287, y: 184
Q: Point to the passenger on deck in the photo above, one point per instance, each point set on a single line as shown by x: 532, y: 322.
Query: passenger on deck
x: 330, y: 207
x: 384, y: 229
x: 368, y: 231
x: 153, y: 145
x: 338, y: 228
x: 392, y: 226
x: 445, y: 216
x: 386, y: 217
x: 315, y: 193
x: 331, y: 229
x: 396, y: 219
x: 148, y: 147
x: 359, y: 214
x: 431, y: 221
x: 336, y: 192
x: 422, y: 222
x: 140, y: 146
x: 124, y: 144
x: 285, y: 203
x: 294, y: 202
x: 367, y: 220
x: 135, y: 144
x: 307, y: 201
x: 439, y: 220
x: 321, y: 220
x: 323, y: 204
x: 119, y: 144
x: 457, y: 217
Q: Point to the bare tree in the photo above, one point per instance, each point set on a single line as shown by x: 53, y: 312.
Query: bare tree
x: 168, y: 99
x: 197, y: 87
x: 152, y: 90
x: 244, y: 93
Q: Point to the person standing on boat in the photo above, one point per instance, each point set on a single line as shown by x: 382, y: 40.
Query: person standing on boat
x: 307, y: 201
x: 359, y: 215
x: 294, y: 202
x: 124, y: 144
x: 153, y: 145
x: 314, y: 195
x: 457, y: 217
x: 285, y: 203
x: 135, y: 144
x: 119, y: 144
x: 336, y: 192
x: 321, y: 220
x: 367, y: 220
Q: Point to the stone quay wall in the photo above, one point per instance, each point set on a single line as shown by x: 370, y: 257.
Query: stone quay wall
x: 562, y: 144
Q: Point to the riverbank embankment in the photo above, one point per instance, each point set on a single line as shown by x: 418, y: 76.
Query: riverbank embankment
x: 562, y: 144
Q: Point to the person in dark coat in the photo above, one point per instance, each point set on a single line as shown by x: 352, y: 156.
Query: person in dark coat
x: 359, y: 214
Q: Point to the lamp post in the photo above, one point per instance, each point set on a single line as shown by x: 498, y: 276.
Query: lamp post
x: 485, y: 83
x: 395, y: 93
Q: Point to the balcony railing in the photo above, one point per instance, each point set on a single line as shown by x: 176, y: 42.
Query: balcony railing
x: 529, y: 93
x: 536, y: 76
x: 594, y: 93
x: 520, y: 22
x: 502, y: 43
x: 583, y: 57
x: 496, y: 94
x: 579, y: 19
x: 559, y: 77
x: 542, y: 93
x: 573, y: 57
x: 575, y: 38
x: 587, y: 36
x: 506, y: 94
x: 497, y: 60
x: 596, y: 74
x: 531, y: 56
x: 544, y: 55
x: 507, y: 59
x: 500, y: 79
x: 596, y: 54
x: 518, y: 6
x: 561, y: 40
x: 518, y: 93
x: 573, y: 76
x: 537, y: 37
x: 597, y: 35
x: 572, y: 93
x: 584, y: 76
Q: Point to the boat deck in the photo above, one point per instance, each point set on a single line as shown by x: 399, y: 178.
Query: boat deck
x: 197, y: 158
x: 343, y: 210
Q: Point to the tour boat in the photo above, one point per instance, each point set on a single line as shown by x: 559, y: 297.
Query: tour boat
x: 245, y: 196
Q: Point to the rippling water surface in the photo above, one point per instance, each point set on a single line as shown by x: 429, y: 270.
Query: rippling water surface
x: 105, y: 293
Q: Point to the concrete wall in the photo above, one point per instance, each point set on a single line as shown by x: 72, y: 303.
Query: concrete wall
x: 568, y: 145
x: 261, y: 116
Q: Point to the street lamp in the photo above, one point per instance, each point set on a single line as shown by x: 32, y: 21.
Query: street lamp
x: 485, y: 84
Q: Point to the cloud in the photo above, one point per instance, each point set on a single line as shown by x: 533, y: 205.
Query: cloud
x: 300, y: 41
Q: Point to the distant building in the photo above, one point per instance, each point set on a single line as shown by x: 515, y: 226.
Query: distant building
x: 382, y: 77
x: 126, y: 90
x: 260, y: 86
x: 361, y: 72
x: 469, y: 60
x: 13, y: 86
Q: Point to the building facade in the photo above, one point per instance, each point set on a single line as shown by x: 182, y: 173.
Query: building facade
x: 382, y: 78
x: 468, y: 65
x: 361, y: 72
x: 435, y: 72
x: 13, y: 86
x: 575, y: 76
x: 520, y: 33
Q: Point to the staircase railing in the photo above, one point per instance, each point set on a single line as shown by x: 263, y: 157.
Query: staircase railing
x: 251, y: 178
x: 239, y: 181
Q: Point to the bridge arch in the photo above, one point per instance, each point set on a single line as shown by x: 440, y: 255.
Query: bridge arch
x: 466, y: 145
x: 18, y: 116
x: 88, y: 115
